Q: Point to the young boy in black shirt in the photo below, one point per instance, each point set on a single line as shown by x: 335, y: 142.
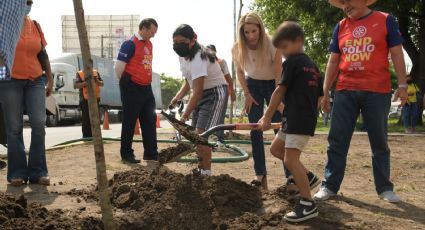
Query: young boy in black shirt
x: 301, y: 86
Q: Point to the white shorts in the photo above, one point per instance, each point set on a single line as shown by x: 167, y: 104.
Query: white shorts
x: 293, y: 141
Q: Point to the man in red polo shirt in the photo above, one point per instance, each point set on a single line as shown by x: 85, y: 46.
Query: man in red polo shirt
x: 134, y: 69
x: 359, y: 50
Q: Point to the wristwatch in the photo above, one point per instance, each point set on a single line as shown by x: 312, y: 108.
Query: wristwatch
x: 403, y: 86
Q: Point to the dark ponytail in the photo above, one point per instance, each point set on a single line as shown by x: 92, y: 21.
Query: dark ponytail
x: 187, y: 32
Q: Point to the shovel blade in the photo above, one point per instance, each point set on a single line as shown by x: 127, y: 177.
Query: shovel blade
x: 185, y: 130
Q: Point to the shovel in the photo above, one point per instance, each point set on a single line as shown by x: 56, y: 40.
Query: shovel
x: 190, y: 134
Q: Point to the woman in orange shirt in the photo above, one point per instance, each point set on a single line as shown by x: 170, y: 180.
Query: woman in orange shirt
x: 26, y: 91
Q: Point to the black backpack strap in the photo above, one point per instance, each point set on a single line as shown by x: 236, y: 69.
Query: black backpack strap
x: 39, y: 31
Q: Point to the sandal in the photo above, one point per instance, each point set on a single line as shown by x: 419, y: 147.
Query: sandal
x: 262, y: 183
x: 44, y: 180
x: 17, y: 182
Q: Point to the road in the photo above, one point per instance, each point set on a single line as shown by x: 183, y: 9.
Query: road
x: 57, y: 135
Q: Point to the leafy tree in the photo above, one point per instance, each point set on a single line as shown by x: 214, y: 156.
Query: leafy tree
x: 169, y: 87
x: 319, y: 18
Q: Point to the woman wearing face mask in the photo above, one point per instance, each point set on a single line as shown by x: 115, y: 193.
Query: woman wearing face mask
x: 259, y: 67
x: 26, y: 90
x: 204, y: 77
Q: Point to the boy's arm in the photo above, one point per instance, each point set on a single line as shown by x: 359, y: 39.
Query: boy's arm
x: 277, y: 66
x: 275, y: 101
x: 265, y: 122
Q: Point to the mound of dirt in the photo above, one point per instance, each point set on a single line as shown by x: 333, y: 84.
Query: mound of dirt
x: 18, y: 214
x: 166, y: 200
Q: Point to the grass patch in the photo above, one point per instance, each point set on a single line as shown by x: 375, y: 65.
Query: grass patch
x: 393, y: 125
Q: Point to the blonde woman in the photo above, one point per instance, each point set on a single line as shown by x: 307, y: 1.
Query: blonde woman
x: 259, y: 67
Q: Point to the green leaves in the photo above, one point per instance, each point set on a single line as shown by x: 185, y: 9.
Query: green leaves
x: 319, y: 19
x: 169, y: 87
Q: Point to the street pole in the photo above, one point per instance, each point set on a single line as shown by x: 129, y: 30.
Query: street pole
x: 232, y: 103
x: 102, y: 180
x: 235, y: 21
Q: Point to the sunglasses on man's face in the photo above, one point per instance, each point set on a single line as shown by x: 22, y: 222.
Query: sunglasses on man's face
x: 29, y: 3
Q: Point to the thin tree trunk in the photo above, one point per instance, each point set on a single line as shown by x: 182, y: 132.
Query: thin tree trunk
x: 421, y: 70
x: 102, y: 180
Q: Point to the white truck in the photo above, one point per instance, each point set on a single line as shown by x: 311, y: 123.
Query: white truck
x: 64, y: 104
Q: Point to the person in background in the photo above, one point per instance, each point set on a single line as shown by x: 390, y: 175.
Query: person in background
x: 204, y: 77
x: 134, y: 69
x: 410, y: 109
x: 301, y: 86
x: 80, y: 83
x: 259, y: 66
x: 225, y: 69
x: 26, y: 90
x: 12, y: 13
x: 359, y: 50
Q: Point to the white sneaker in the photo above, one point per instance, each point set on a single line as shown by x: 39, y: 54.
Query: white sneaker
x: 390, y: 196
x: 323, y: 194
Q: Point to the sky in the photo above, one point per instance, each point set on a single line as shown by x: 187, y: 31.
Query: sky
x: 212, y: 20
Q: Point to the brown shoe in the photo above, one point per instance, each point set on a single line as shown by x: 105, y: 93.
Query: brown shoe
x: 261, y: 184
x: 44, y: 180
x: 17, y: 182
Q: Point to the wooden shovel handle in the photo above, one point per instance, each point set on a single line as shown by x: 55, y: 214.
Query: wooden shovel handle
x: 251, y: 126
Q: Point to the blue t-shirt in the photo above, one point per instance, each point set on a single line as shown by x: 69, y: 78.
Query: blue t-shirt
x: 394, y: 37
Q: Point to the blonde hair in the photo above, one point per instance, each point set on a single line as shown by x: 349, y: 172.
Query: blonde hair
x: 240, y: 48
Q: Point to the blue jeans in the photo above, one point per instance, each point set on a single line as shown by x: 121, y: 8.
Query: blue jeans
x: 410, y: 115
x: 15, y: 96
x: 261, y: 91
x: 374, y: 108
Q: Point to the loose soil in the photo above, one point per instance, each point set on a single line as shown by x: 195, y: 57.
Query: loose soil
x: 18, y: 214
x: 170, y: 197
x: 174, y: 152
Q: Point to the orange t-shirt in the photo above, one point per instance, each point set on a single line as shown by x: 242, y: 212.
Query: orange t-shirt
x: 26, y: 65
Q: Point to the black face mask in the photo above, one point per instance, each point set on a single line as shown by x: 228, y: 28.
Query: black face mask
x: 182, y: 49
x: 409, y: 81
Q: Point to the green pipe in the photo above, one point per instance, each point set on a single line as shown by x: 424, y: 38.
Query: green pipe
x: 241, y: 155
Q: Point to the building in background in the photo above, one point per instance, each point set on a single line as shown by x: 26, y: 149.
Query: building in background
x: 106, y: 33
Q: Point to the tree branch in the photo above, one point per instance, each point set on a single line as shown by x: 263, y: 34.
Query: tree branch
x: 408, y: 44
x: 240, y: 9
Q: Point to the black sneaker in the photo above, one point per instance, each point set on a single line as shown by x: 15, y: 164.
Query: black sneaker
x: 313, y: 180
x: 131, y: 160
x: 292, y: 188
x: 305, y: 210
x: 150, y: 158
